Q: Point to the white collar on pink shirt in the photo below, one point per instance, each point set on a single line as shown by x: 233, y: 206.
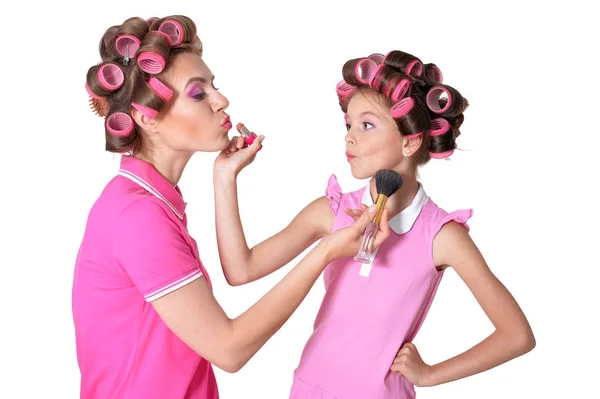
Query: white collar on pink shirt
x: 402, y: 222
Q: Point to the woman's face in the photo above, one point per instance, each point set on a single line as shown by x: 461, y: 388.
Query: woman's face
x: 194, y: 119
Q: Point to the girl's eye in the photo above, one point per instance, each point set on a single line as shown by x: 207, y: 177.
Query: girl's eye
x: 368, y: 125
x: 348, y: 126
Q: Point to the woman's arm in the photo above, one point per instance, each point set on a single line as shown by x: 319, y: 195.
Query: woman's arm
x: 513, y: 336
x: 195, y: 316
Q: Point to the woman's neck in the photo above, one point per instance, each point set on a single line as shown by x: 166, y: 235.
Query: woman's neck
x: 169, y: 164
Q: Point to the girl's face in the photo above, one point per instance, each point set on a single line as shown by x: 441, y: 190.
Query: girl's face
x: 373, y: 141
x: 195, y: 118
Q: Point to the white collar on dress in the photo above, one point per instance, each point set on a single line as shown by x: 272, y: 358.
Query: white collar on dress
x: 402, y: 222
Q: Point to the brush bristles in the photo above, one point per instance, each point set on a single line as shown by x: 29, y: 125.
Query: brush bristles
x: 387, y: 182
x: 99, y: 106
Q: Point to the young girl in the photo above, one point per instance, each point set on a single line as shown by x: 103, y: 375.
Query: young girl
x: 398, y: 115
x: 147, y: 324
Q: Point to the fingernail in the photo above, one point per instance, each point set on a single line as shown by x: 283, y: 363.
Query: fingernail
x: 372, y: 208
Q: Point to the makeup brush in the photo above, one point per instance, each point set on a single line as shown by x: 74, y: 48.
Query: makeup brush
x: 387, y: 183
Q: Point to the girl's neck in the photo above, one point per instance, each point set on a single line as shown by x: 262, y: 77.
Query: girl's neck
x: 402, y: 198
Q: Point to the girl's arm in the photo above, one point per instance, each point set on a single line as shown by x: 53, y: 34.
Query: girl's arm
x: 513, y: 336
x: 240, y: 263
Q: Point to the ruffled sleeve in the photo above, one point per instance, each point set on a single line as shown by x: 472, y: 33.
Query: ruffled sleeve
x: 334, y: 194
x: 460, y: 216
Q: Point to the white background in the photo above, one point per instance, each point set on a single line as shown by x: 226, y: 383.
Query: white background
x: 529, y: 170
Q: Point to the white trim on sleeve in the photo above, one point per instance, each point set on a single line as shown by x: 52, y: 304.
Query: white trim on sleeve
x: 173, y: 286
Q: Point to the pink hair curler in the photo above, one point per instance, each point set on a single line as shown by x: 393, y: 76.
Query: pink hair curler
x: 433, y: 99
x: 433, y: 73
x: 344, y: 89
x: 160, y: 89
x: 376, y: 57
x: 110, y: 76
x: 151, y: 20
x: 119, y: 124
x: 402, y: 107
x: 414, y: 68
x: 90, y: 92
x: 163, y: 34
x: 151, y: 62
x: 373, y: 75
x: 149, y: 112
x: 127, y: 45
x: 364, y: 70
x: 439, y: 126
x: 440, y: 155
x: 412, y: 136
x: 173, y: 29
x: 400, y: 90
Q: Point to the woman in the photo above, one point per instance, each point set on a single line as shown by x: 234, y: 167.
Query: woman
x: 147, y: 323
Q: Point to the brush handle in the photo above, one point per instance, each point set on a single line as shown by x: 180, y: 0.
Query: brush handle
x: 366, y: 252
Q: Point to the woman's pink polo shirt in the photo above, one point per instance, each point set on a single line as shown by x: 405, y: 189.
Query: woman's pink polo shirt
x: 136, y: 249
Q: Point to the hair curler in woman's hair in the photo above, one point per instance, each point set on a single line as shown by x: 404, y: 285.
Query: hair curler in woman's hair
x: 172, y: 29
x: 110, y: 77
x: 451, y: 106
x: 160, y: 89
x: 151, y: 62
x: 149, y: 112
x: 119, y: 124
x: 127, y: 46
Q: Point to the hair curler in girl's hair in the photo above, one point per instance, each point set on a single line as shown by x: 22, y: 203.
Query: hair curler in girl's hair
x: 344, y: 92
x: 110, y: 76
x: 439, y: 126
x: 390, y: 83
x: 119, y: 124
x: 172, y: 29
x: 441, y: 155
x: 151, y: 20
x: 432, y: 73
x: 376, y: 57
x: 364, y: 69
x: 406, y: 112
x: 452, y: 106
x: 404, y: 62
